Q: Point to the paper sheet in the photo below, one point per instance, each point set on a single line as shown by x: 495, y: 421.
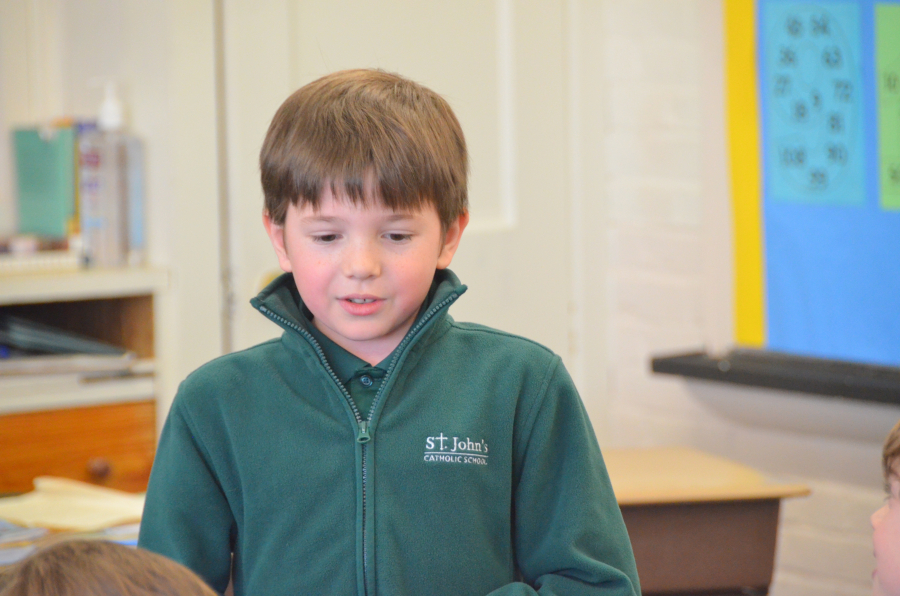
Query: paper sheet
x: 62, y: 504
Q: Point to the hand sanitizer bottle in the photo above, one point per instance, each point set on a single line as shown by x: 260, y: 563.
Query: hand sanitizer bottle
x: 102, y: 198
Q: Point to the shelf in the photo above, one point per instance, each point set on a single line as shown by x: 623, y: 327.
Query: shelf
x: 110, y: 305
x: 54, y: 392
x: 85, y: 424
x: 88, y: 284
x: 774, y: 370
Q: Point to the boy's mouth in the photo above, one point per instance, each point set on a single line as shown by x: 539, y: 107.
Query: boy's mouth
x: 362, y: 306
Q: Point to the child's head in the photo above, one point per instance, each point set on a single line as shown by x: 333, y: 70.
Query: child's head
x: 364, y: 174
x: 367, y: 135
x: 886, y: 522
x: 99, y: 568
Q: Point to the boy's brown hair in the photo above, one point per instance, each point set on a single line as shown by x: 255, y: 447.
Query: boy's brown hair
x: 365, y: 132
x: 890, y: 455
x: 99, y: 568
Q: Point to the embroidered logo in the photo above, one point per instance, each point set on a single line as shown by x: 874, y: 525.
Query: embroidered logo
x: 456, y: 450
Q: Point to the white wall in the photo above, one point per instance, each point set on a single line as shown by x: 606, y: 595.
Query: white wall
x: 668, y: 275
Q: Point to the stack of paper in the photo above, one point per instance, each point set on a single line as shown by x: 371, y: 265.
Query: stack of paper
x: 44, y: 367
x: 60, y: 509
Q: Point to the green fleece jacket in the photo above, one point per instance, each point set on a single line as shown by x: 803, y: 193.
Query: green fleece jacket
x: 476, y: 472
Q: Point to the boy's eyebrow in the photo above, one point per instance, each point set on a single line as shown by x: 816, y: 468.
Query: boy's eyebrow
x: 320, y: 218
x: 401, y: 215
x: 396, y: 216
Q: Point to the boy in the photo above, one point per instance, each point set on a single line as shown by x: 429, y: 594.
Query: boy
x: 379, y: 447
x: 886, y: 522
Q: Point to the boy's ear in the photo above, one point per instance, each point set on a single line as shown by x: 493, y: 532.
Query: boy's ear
x: 451, y: 240
x: 276, y: 235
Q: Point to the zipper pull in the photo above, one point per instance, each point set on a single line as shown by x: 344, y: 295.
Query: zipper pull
x: 363, y: 435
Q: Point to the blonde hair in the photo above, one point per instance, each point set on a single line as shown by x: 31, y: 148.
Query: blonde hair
x: 890, y: 455
x: 99, y: 568
x: 368, y: 134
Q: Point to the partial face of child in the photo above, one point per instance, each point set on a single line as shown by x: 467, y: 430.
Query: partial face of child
x: 886, y: 541
x: 363, y: 270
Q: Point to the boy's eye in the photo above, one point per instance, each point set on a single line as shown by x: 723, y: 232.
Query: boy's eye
x: 398, y: 237
x: 324, y: 238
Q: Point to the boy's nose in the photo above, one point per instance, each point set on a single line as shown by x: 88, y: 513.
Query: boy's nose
x: 361, y: 261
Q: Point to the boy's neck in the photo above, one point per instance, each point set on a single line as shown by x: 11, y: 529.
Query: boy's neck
x: 371, y: 351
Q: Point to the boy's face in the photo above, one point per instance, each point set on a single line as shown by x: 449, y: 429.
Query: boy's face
x: 886, y: 541
x: 363, y: 270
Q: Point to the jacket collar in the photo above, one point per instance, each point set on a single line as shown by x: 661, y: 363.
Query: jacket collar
x: 280, y: 301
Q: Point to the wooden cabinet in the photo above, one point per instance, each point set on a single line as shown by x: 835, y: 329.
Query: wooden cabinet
x: 112, y: 445
x: 102, y: 430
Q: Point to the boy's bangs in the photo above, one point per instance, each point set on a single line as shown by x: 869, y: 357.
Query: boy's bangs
x: 382, y: 173
x: 365, y: 187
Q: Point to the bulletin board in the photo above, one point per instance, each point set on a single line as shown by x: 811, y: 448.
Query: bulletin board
x: 814, y: 126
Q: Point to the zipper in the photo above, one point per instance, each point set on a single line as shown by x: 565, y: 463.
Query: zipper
x: 363, y: 435
x: 362, y: 426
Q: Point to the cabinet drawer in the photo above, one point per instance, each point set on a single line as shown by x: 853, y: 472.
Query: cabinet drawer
x: 110, y: 445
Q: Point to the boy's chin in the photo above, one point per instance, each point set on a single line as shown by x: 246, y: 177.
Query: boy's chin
x: 878, y: 589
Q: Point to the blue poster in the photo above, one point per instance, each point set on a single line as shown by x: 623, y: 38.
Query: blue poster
x: 812, y: 85
x: 832, y: 249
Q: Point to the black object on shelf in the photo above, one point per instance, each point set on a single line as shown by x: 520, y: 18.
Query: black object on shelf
x: 776, y: 370
x: 23, y: 334
x: 31, y: 348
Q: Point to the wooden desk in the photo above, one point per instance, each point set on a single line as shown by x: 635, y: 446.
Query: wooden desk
x: 697, y: 522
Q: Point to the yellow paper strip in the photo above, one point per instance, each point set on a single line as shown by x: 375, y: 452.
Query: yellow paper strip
x: 746, y: 191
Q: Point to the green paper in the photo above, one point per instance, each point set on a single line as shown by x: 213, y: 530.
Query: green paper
x: 887, y: 67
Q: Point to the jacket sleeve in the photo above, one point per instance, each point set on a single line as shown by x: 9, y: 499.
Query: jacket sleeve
x: 569, y: 535
x: 186, y: 514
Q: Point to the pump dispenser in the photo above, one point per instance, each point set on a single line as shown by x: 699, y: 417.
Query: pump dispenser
x: 111, y: 115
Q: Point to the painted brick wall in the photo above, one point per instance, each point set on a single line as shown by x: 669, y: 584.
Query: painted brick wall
x: 666, y: 191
